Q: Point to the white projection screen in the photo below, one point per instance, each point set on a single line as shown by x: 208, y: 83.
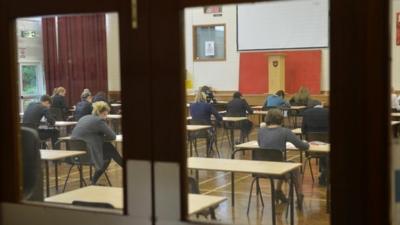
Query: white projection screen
x: 288, y: 24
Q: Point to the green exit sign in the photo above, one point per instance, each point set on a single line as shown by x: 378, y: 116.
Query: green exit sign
x: 29, y: 34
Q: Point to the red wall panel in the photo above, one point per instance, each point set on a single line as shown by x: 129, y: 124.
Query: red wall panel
x: 303, y: 68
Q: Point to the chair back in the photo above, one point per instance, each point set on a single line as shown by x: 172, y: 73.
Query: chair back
x: 31, y: 163
x: 78, y: 145
x: 317, y: 136
x: 274, y: 155
x: 93, y: 204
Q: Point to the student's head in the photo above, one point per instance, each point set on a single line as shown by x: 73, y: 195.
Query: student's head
x: 100, y: 109
x: 200, y: 97
x: 60, y: 91
x: 274, y: 117
x: 237, y: 94
x: 302, y: 95
x: 86, y: 95
x: 45, y: 100
x: 101, y: 94
x: 280, y: 93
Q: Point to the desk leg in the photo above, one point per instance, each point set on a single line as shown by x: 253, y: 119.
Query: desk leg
x: 233, y: 188
x: 47, y: 178
x: 273, y: 201
x: 301, y: 161
x: 232, y: 140
x: 291, y: 193
x: 56, y: 174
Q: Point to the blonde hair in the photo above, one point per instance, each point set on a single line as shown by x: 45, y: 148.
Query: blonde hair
x: 100, y: 107
x: 302, y: 95
x: 58, y: 90
x: 200, y: 97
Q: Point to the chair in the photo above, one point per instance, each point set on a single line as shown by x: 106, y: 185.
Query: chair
x: 79, y: 161
x: 314, y: 136
x: 43, y: 142
x: 93, y: 204
x: 31, y: 165
x: 195, y: 189
x: 210, y: 135
x: 274, y: 155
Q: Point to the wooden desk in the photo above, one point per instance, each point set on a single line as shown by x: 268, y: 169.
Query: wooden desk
x: 116, y: 105
x: 53, y: 155
x: 394, y: 123
x: 198, y: 202
x: 257, y: 107
x: 65, y: 123
x: 248, y: 166
x: 114, y: 196
x: 231, y: 131
x: 193, y: 128
x: 395, y: 114
x: 117, y: 139
x: 297, y: 131
x: 114, y: 116
x: 197, y: 127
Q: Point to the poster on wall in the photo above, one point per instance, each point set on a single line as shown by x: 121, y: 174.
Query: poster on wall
x: 398, y: 28
x: 210, y: 48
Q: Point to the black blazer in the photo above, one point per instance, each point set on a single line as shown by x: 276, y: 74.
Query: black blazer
x: 315, y: 120
x: 238, y: 107
x: 59, y: 102
x: 34, y: 113
x: 83, y: 108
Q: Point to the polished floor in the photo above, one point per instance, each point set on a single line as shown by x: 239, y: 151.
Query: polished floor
x: 219, y: 183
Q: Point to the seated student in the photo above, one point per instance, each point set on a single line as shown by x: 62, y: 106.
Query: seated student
x: 100, y: 96
x: 395, y: 101
x: 302, y: 98
x: 274, y: 136
x: 209, y: 94
x: 84, y: 107
x: 59, y: 104
x: 317, y: 120
x: 34, y: 114
x: 238, y: 107
x: 201, y: 112
x: 94, y: 131
x: 276, y: 100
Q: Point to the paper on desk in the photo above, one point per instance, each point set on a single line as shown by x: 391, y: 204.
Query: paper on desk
x: 290, y: 145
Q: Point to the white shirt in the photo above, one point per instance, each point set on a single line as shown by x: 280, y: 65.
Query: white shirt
x: 395, y: 102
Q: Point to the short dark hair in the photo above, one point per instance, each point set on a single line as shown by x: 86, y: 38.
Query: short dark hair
x: 280, y: 93
x: 45, y: 98
x: 237, y: 94
x: 274, y: 117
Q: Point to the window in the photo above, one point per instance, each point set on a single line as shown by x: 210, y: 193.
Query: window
x: 209, y: 42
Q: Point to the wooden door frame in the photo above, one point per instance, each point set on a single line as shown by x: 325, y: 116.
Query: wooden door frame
x: 359, y: 55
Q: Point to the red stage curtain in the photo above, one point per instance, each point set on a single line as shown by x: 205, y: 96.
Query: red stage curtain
x: 75, y: 54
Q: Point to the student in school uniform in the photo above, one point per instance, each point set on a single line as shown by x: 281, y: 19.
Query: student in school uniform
x: 100, y: 96
x: 274, y: 136
x: 33, y: 116
x: 59, y: 108
x: 302, y: 98
x: 201, y: 113
x: 84, y: 107
x: 395, y: 101
x: 276, y: 100
x: 94, y: 131
x: 238, y: 107
x: 317, y: 120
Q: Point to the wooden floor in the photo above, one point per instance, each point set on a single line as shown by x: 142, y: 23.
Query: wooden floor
x: 218, y: 183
